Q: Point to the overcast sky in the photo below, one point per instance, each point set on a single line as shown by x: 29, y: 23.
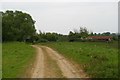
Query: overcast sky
x: 62, y: 17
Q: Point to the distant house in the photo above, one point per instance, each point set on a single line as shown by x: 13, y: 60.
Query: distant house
x: 100, y: 38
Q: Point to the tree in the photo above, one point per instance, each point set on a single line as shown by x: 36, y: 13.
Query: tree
x: 106, y: 33
x: 51, y: 37
x: 95, y: 34
x: 91, y: 34
x: 77, y: 35
x: 83, y: 32
x: 17, y: 26
x: 71, y: 36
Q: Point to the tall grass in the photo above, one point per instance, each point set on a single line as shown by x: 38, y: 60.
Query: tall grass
x: 98, y: 59
x: 16, y: 56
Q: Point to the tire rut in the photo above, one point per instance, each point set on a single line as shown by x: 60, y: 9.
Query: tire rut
x: 38, y: 70
x: 59, y: 64
x: 68, y: 70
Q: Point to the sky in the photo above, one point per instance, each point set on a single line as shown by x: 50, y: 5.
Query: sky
x: 62, y: 17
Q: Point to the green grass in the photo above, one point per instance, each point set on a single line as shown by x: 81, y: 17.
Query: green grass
x: 16, y: 57
x: 0, y: 60
x: 98, y: 59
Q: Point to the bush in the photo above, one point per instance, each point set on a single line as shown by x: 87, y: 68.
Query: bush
x: 42, y: 40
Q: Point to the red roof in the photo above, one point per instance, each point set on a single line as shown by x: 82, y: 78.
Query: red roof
x: 100, y: 37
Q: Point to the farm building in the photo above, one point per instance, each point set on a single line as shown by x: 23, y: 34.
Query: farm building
x: 100, y: 38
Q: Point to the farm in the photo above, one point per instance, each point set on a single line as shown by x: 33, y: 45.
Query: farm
x: 98, y: 59
x: 37, y: 53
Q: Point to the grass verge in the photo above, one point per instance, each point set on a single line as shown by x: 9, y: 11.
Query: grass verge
x: 16, y: 56
x: 98, y: 59
x: 0, y: 60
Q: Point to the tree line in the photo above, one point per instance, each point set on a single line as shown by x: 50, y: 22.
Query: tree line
x: 19, y: 26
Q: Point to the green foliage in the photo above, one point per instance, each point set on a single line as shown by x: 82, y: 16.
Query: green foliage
x: 0, y: 60
x: 51, y: 37
x: 17, y: 26
x: 16, y: 57
x: 106, y: 33
x: 78, y: 35
x: 44, y: 37
x: 83, y: 32
x: 99, y: 60
x: 71, y: 36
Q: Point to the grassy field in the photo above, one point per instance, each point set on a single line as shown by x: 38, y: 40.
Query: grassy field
x: 98, y: 59
x: 16, y: 57
x: 0, y: 60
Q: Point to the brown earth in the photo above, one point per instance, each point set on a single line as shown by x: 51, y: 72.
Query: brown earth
x: 50, y: 64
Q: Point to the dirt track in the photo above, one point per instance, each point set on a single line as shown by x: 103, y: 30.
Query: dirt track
x: 38, y: 71
x: 53, y: 66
